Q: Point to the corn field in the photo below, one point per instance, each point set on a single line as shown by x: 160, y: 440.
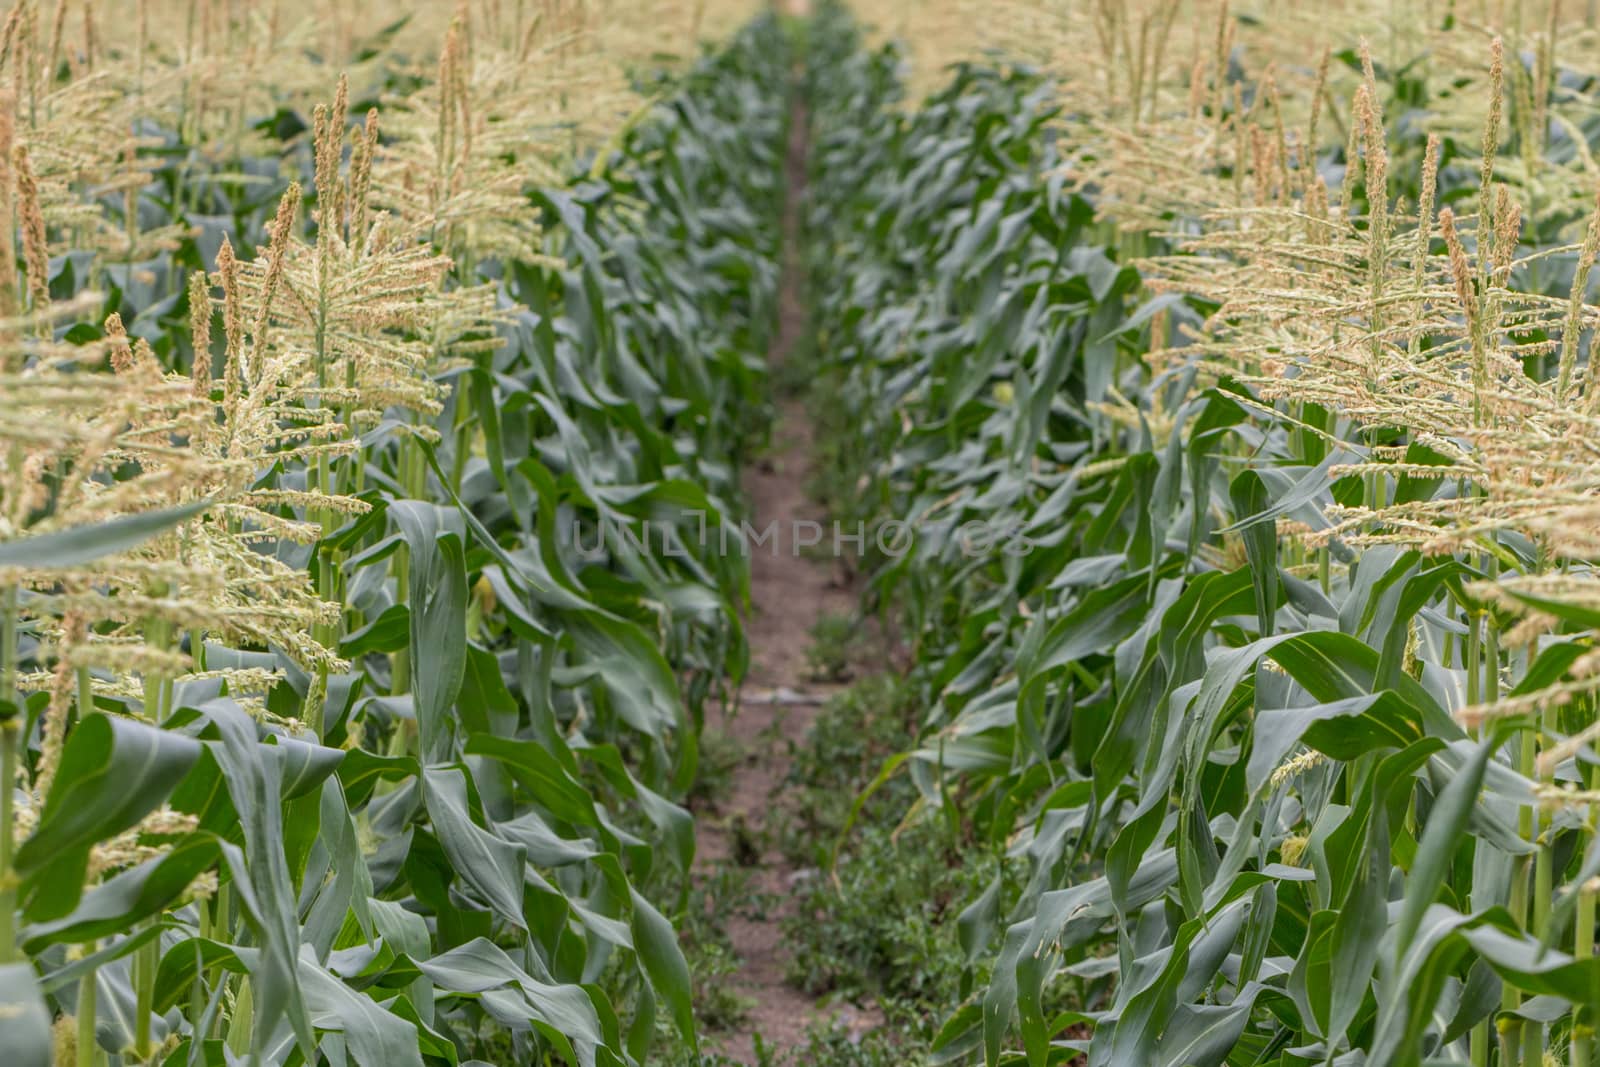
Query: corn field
x: 1209, y: 390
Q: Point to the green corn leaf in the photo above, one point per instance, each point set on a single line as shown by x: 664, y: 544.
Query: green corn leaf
x: 75, y: 546
x: 482, y: 859
x: 438, y: 601
x: 113, y: 772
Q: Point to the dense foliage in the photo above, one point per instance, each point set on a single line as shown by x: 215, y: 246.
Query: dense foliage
x: 348, y: 693
x: 373, y: 392
x: 1282, y: 793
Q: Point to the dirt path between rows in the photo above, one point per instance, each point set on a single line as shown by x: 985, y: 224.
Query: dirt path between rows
x: 789, y: 593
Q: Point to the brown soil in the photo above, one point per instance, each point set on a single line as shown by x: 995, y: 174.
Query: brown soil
x: 779, y: 700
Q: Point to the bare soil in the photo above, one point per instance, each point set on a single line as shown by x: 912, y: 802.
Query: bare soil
x: 790, y: 592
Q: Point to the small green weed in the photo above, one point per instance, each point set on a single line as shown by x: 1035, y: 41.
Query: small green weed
x: 833, y: 641
x: 845, y: 748
x: 834, y: 1046
x: 887, y: 930
x: 718, y: 1005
